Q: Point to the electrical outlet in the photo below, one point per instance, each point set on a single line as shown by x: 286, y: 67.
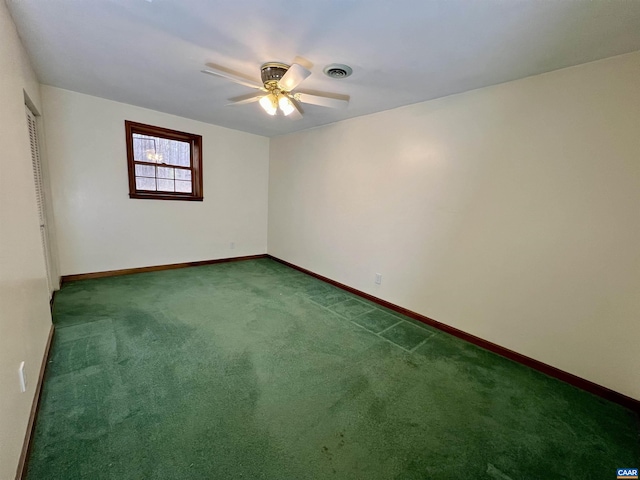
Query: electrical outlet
x: 378, y: 278
x: 22, y: 374
x: 232, y: 245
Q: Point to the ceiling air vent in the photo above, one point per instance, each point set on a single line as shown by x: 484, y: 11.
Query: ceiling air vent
x: 336, y: 70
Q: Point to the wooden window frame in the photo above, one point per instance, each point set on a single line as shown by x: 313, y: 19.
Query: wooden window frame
x: 195, y: 142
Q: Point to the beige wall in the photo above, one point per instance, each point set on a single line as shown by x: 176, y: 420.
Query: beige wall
x: 24, y: 301
x: 100, y: 228
x: 510, y: 212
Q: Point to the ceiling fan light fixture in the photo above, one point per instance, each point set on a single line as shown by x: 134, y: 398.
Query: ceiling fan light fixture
x: 277, y: 95
x: 286, y: 105
x: 269, y: 104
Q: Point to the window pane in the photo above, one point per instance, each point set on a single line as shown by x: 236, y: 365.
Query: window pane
x: 144, y: 183
x: 161, y: 150
x: 145, y: 171
x: 183, y: 174
x: 165, y: 185
x: 175, y: 152
x: 143, y: 146
x: 182, y: 186
x: 165, y: 172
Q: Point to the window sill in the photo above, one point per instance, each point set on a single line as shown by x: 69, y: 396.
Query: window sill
x: 165, y: 196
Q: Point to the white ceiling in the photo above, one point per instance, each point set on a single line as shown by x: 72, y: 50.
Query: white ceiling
x: 150, y: 53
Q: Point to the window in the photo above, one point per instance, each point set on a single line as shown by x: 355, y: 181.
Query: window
x: 163, y: 164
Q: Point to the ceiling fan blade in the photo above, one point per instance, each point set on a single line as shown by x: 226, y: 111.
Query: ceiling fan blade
x: 244, y: 99
x: 218, y: 71
x: 294, y: 76
x: 297, y: 113
x: 330, y: 100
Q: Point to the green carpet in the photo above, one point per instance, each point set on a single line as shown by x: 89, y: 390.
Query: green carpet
x: 252, y: 370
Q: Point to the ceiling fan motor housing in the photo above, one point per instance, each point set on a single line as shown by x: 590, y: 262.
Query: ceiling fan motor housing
x: 272, y: 72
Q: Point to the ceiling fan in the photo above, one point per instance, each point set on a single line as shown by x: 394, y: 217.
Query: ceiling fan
x: 276, y: 95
